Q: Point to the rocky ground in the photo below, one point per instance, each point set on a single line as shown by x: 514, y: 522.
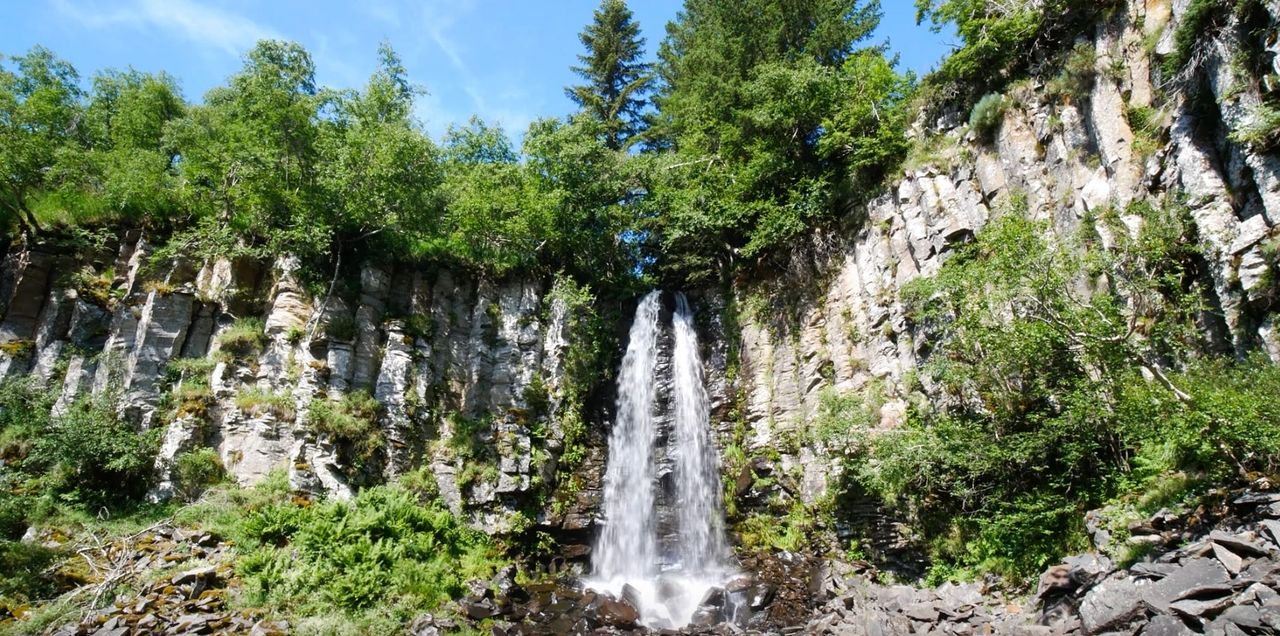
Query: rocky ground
x: 1214, y: 570
x: 1201, y: 577
x: 177, y: 582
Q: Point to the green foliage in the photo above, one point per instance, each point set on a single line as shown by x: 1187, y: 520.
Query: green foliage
x: 86, y: 458
x: 38, y: 105
x: 1003, y: 39
x: 385, y: 552
x: 987, y: 116
x: 197, y: 470
x: 789, y: 529
x: 1197, y: 20
x: 1051, y: 414
x: 1147, y: 126
x: 1260, y: 128
x: 351, y: 421
x: 776, y: 121
x: 1076, y: 79
x: 245, y: 338
x: 617, y: 79
x: 92, y: 458
x: 843, y: 418
x: 22, y: 576
x: 258, y: 402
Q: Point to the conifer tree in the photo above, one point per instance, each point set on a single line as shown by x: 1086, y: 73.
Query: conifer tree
x: 616, y: 77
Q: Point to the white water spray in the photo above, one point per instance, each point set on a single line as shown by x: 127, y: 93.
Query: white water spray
x: 627, y: 551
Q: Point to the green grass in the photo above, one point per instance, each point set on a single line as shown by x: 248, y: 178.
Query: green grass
x: 245, y: 338
x: 258, y: 402
x: 352, y: 420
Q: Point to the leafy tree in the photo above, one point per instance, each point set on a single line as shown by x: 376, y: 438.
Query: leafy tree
x: 122, y: 168
x: 495, y: 218
x: 586, y: 184
x: 379, y: 174
x: 1004, y: 38
x: 769, y: 108
x: 39, y: 110
x: 616, y: 77
x: 249, y: 153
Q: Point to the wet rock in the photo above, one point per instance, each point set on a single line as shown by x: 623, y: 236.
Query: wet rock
x: 619, y: 613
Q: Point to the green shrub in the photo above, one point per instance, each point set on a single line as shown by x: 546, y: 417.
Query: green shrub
x: 1198, y: 22
x: 197, y: 470
x: 383, y: 552
x: 22, y: 572
x: 987, y: 116
x: 258, y: 402
x: 191, y: 371
x: 1147, y: 129
x: 789, y: 529
x: 1049, y: 413
x: 89, y: 456
x: 1260, y: 128
x: 245, y: 338
x: 1074, y: 82
x: 341, y: 328
x: 352, y: 420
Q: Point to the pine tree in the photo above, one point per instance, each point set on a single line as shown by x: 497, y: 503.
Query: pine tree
x: 616, y: 77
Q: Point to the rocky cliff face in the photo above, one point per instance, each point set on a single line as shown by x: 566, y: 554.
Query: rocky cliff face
x: 472, y: 377
x: 1072, y: 159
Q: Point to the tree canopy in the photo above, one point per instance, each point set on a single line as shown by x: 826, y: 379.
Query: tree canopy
x: 768, y: 120
x: 617, y: 78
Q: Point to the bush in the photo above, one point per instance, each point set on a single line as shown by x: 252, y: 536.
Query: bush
x: 1197, y: 22
x: 197, y: 470
x: 1050, y: 411
x: 245, y: 338
x: 1075, y: 80
x: 352, y: 421
x: 90, y: 457
x: 987, y: 116
x: 1260, y: 129
x: 258, y: 402
x: 383, y: 552
x: 22, y: 572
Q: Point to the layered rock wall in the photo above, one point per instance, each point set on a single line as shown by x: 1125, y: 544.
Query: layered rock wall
x: 1071, y: 158
x: 470, y: 375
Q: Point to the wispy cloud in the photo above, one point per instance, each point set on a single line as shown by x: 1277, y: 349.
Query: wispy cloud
x: 507, y: 106
x: 198, y: 23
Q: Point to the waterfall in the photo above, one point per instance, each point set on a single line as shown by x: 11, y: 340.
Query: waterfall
x: 665, y: 587
x: 627, y: 549
x: 702, y: 542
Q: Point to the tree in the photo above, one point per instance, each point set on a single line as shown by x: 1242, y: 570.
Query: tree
x: 777, y: 121
x: 616, y: 78
x: 379, y: 174
x: 121, y: 169
x: 40, y: 106
x: 249, y: 153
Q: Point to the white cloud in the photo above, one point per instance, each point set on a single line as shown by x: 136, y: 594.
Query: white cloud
x: 500, y: 101
x: 198, y: 23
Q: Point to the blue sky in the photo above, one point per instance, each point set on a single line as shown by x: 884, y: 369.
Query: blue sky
x: 505, y: 60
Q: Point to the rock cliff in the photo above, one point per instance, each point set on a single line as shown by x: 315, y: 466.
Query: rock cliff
x: 834, y: 321
x: 471, y: 377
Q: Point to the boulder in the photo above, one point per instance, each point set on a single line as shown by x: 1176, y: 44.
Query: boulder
x: 1112, y: 603
x: 1193, y: 573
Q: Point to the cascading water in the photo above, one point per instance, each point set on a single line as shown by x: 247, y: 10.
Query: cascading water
x: 628, y: 546
x: 666, y: 588
x: 702, y: 542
